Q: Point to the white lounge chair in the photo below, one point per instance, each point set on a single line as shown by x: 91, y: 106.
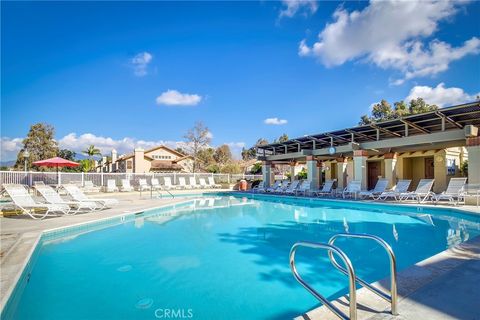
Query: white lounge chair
x: 379, y: 188
x: 143, y: 185
x: 52, y: 197
x: 283, y: 186
x: 292, y: 187
x: 126, y: 187
x: 401, y: 187
x: 260, y: 187
x: 23, y: 200
x: 455, y: 191
x: 326, y: 190
x: 193, y: 183
x: 352, y: 189
x: 155, y: 185
x: 212, y: 183
x: 77, y: 195
x: 203, y: 183
x: 111, y: 186
x: 303, y: 188
x: 88, y: 186
x: 422, y: 193
x: 182, y: 184
x: 167, y: 184
x: 275, y: 186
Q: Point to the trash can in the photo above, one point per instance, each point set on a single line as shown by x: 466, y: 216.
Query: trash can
x: 243, y: 185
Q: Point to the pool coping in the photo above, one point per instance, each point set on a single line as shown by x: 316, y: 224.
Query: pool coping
x: 8, y: 293
x: 461, y: 210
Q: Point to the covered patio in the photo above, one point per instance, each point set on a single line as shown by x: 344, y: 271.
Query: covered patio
x: 428, y: 145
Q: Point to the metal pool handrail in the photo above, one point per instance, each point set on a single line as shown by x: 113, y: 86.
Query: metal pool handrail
x: 392, y: 298
x: 349, y: 271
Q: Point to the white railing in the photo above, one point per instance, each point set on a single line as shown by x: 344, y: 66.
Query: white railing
x: 100, y: 178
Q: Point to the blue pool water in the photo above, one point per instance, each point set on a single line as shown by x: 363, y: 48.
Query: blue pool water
x: 224, y: 257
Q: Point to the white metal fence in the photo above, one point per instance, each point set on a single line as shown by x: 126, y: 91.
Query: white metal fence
x: 100, y: 179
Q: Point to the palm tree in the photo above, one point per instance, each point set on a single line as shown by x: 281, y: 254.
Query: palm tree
x: 91, y: 152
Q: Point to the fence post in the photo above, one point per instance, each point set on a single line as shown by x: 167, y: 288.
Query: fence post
x: 101, y: 178
x: 174, y: 178
x: 59, y: 182
x: 228, y: 178
x: 83, y: 179
x: 30, y: 178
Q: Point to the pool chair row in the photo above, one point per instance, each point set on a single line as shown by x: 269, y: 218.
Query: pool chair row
x: 154, y: 184
x: 50, y: 202
x: 455, y: 193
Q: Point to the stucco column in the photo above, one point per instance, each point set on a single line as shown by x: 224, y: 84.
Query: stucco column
x: 473, y: 149
x: 390, y: 160
x: 312, y: 172
x: 341, y: 173
x: 267, y: 173
x: 360, y: 167
x: 138, y: 161
x: 440, y: 171
x: 328, y: 172
x: 292, y: 171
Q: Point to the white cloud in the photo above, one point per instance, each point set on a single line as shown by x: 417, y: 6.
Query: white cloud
x: 236, y: 145
x: 390, y: 34
x: 292, y: 7
x: 275, y: 121
x: 440, y: 95
x: 175, y: 98
x: 140, y: 63
x: 9, y: 148
x: 126, y: 145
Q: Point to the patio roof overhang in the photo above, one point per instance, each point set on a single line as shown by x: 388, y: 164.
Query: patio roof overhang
x: 438, y: 129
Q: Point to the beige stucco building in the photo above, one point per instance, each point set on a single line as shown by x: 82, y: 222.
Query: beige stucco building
x: 428, y: 145
x: 157, y: 159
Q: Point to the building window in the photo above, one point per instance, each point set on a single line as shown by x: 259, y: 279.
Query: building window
x: 129, y: 164
x: 157, y: 157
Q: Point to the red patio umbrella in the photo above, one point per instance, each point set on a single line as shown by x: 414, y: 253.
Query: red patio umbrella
x: 56, y: 162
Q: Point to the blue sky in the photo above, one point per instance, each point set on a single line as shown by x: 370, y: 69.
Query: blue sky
x: 127, y: 74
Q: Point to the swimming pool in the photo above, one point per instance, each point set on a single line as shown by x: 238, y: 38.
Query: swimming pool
x: 223, y: 256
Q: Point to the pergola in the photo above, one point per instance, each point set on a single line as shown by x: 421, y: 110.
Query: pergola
x: 437, y: 129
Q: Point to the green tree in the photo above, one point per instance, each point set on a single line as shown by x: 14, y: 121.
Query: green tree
x: 382, y: 111
x: 420, y: 106
x: 248, y: 154
x: 85, y: 165
x: 205, y: 158
x: 69, y: 155
x: 223, y: 155
x: 197, y: 138
x: 232, y: 167
x: 283, y: 138
x: 401, y: 109
x: 40, y: 145
x: 91, y: 152
x: 256, y: 168
x: 261, y: 142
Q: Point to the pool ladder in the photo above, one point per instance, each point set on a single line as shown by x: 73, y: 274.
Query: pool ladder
x: 350, y: 271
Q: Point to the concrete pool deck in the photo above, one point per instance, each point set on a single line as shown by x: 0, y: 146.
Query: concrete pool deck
x: 444, y: 286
